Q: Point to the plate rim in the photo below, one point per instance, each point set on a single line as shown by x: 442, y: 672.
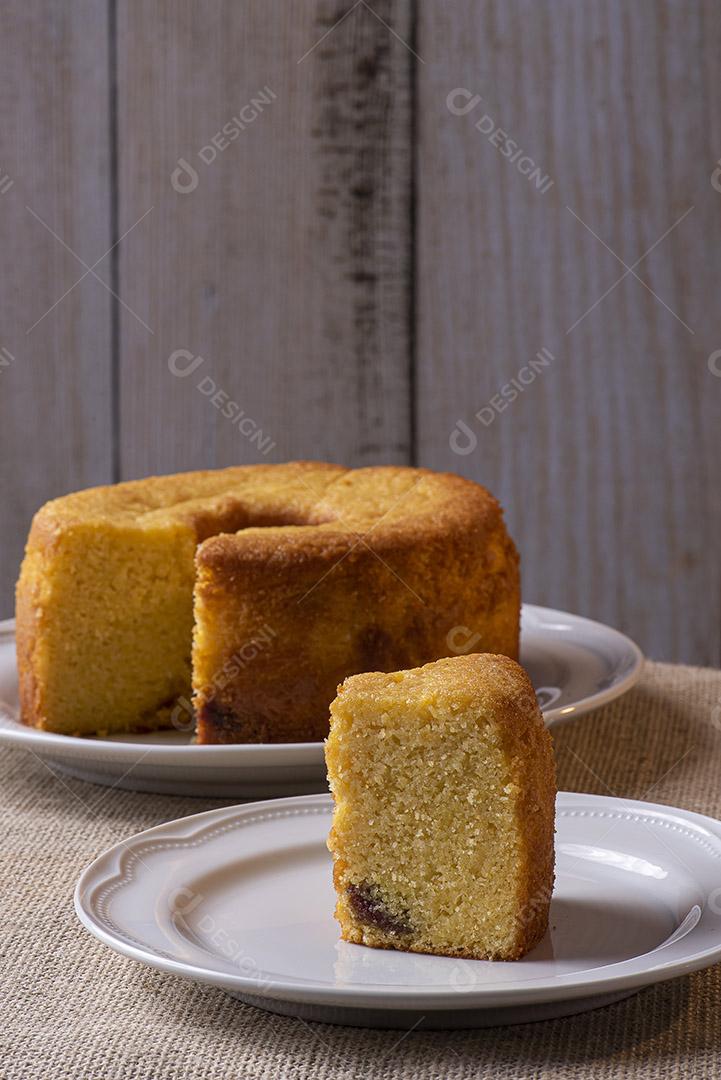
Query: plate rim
x: 274, y: 755
x: 595, y: 701
x: 406, y: 998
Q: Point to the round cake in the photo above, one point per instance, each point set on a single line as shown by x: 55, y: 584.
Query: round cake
x: 252, y: 592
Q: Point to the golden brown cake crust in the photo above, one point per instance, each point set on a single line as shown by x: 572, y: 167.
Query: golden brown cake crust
x: 404, y: 566
x: 305, y: 572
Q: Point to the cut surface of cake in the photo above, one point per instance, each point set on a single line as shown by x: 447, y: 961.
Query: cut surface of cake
x: 254, y: 590
x: 444, y: 786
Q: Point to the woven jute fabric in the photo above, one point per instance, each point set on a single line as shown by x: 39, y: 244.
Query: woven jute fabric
x: 73, y: 1008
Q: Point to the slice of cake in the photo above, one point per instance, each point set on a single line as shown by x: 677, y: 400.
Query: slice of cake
x: 444, y: 788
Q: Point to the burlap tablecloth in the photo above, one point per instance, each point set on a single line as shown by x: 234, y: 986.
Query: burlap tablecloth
x: 73, y: 1008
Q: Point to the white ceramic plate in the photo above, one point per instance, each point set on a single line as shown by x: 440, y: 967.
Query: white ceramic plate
x: 241, y: 898
x: 574, y: 663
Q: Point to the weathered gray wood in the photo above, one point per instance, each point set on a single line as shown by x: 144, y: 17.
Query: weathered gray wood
x: 55, y: 371
x: 606, y: 459
x: 286, y: 269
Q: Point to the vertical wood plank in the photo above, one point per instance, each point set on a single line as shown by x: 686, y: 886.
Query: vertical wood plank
x: 605, y: 457
x: 55, y: 354
x: 283, y: 271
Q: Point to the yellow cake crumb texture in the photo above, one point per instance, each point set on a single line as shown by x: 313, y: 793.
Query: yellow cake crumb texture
x: 444, y: 790
x: 136, y: 596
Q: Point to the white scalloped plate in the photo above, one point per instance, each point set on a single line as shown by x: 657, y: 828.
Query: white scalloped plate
x: 574, y: 663
x: 241, y: 898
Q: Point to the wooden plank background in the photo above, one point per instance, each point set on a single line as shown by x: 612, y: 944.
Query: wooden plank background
x: 287, y: 268
x: 55, y: 358
x: 317, y: 211
x: 606, y: 460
